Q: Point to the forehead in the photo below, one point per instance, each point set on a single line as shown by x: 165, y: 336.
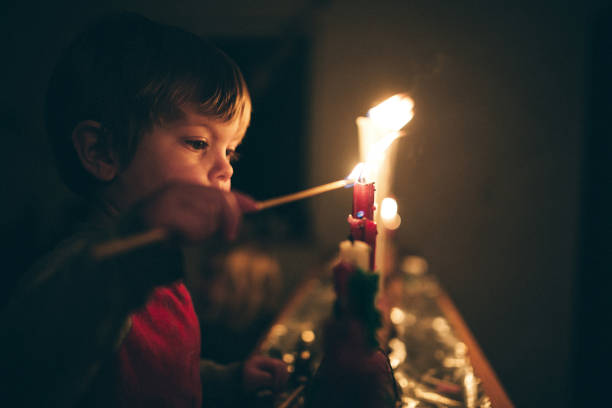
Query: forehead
x: 194, y: 121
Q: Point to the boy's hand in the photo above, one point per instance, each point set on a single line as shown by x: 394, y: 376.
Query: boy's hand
x: 194, y: 212
x: 264, y: 372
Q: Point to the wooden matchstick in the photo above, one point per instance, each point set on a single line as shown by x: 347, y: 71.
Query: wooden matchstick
x: 115, y: 247
x: 262, y: 205
x: 291, y: 398
x: 119, y: 246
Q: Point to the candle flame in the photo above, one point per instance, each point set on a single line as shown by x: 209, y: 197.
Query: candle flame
x: 389, y: 116
x: 378, y: 149
x: 375, y: 156
x: 393, y: 113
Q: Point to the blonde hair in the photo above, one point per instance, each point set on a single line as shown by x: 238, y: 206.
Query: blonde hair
x: 129, y: 73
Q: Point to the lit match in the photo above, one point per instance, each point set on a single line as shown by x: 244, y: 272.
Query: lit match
x: 273, y: 202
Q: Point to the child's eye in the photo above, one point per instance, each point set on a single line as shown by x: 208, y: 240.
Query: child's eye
x: 197, y: 144
x: 232, y: 154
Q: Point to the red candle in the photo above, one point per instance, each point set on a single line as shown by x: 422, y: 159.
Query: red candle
x: 363, y: 200
x: 361, y: 221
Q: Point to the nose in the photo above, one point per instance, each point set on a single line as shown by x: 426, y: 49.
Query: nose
x: 221, y: 172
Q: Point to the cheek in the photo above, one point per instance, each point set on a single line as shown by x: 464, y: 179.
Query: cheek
x: 177, y: 165
x: 154, y: 167
x: 148, y: 171
x: 184, y: 166
x: 141, y: 178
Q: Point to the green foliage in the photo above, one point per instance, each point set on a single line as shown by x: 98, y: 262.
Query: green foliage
x: 362, y: 288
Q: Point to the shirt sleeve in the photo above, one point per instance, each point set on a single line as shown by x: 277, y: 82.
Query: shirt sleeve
x: 71, y: 312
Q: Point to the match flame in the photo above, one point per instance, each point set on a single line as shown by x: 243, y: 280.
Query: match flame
x: 358, y: 173
x: 393, y: 113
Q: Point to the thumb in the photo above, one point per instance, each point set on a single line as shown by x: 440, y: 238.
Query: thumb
x: 256, y: 379
x: 232, y: 215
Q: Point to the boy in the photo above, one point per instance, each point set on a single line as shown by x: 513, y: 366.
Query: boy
x: 144, y: 120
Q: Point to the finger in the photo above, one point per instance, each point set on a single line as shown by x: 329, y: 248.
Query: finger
x: 281, y: 375
x: 261, y: 379
x: 276, y: 368
x: 201, y: 218
x: 268, y: 363
x: 284, y: 375
x: 246, y: 203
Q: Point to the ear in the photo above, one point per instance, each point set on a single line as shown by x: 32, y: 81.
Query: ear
x: 94, y: 150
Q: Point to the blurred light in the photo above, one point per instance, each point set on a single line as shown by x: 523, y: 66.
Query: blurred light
x: 288, y: 358
x: 435, y: 398
x: 414, y: 265
x: 279, y: 330
x: 470, y: 383
x: 408, y: 402
x: 290, y: 368
x: 308, y: 336
x: 393, y: 113
x: 393, y: 223
x: 305, y: 355
x: 451, y: 362
x: 397, y: 315
x: 394, y: 362
x: 410, y: 319
x: 460, y: 349
x: 398, y: 352
x: 401, y: 379
x: 440, y: 325
x: 388, y: 208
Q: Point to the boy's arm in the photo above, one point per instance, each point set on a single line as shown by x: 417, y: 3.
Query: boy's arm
x: 221, y: 384
x: 70, y: 314
x: 233, y: 384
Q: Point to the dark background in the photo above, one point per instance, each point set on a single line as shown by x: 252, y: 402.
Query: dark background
x: 503, y: 183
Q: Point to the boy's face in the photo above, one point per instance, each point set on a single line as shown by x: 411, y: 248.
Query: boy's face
x: 195, y: 149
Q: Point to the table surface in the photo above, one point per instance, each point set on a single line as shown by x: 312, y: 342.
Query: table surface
x: 436, y: 360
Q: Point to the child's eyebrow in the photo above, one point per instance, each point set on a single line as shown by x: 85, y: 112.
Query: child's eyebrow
x: 238, y: 138
x: 190, y: 126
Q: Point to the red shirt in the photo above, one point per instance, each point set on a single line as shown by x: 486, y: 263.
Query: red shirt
x: 159, y: 360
